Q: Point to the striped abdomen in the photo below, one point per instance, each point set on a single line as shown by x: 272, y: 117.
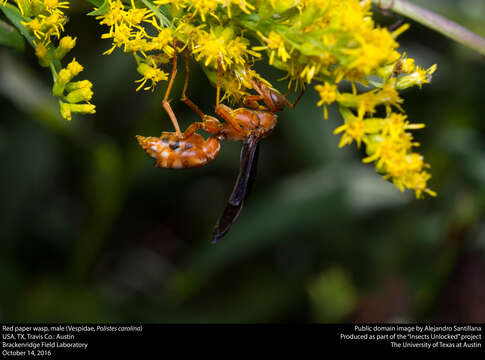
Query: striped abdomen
x: 173, y: 152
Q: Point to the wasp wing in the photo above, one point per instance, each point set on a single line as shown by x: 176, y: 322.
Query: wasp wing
x: 252, y: 172
x: 244, y: 182
x: 247, y: 172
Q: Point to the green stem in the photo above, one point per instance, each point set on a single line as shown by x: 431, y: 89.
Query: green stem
x: 53, y: 71
x: 435, y: 22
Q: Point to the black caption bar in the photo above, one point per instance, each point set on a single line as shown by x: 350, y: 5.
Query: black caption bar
x: 80, y: 340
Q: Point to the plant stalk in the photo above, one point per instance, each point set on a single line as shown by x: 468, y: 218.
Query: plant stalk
x: 436, y: 22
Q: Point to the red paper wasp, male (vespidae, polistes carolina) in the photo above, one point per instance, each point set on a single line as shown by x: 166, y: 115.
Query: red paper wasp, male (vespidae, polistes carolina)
x: 249, y: 124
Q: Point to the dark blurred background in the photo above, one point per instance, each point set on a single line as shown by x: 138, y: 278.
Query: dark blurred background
x: 91, y: 231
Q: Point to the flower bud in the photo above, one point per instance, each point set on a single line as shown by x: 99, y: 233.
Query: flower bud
x: 143, y: 68
x: 78, y: 85
x: 418, y: 77
x: 66, y: 44
x: 80, y: 95
x: 68, y: 109
x: 83, y: 108
x: 65, y: 110
x: 74, y: 67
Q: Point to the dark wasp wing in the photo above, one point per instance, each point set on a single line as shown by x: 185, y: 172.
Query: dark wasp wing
x: 242, y: 188
x: 247, y: 171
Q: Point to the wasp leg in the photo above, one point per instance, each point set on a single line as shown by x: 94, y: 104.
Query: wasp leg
x: 210, y: 124
x: 184, y: 97
x: 222, y: 110
x: 251, y: 101
x: 226, y: 113
x: 292, y: 106
x: 166, y: 102
x: 262, y: 94
x: 290, y: 90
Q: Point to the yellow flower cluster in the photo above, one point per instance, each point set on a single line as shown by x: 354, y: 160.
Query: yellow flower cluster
x: 45, y: 20
x: 326, y: 42
x: 76, y: 94
x: 154, y: 39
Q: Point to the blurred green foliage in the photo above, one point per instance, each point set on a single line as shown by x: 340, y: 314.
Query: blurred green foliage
x: 91, y: 231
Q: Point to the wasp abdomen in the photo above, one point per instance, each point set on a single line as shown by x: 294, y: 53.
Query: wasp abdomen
x: 172, y: 152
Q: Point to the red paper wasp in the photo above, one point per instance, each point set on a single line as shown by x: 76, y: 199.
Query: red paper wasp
x: 248, y: 124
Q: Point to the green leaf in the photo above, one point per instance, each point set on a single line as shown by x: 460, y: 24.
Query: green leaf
x: 97, y: 3
x: 16, y: 18
x: 102, y: 8
x: 165, y: 12
x: 11, y: 37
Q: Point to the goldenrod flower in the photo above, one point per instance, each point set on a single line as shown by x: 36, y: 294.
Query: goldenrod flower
x: 152, y: 74
x: 114, y: 16
x: 276, y: 45
x: 55, y: 6
x: 355, y: 128
x: 244, y: 5
x: 35, y: 26
x: 45, y: 21
x: 418, y: 77
x: 203, y: 8
x: 42, y: 52
x: 328, y: 94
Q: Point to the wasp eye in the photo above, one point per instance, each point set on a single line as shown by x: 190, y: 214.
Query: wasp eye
x: 279, y: 101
